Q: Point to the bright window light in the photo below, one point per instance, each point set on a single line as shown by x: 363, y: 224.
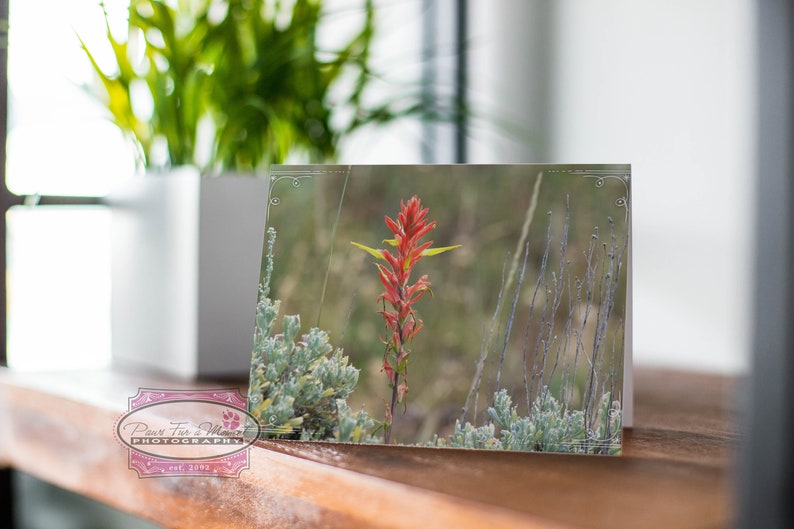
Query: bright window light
x: 58, y: 287
x: 59, y: 142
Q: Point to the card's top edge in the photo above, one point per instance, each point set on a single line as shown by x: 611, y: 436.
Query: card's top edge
x: 624, y: 167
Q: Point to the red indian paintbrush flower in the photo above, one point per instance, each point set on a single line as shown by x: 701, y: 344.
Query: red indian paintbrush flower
x: 411, y: 226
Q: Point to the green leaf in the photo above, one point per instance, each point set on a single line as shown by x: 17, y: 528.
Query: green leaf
x: 436, y: 251
x: 263, y: 87
x: 372, y: 251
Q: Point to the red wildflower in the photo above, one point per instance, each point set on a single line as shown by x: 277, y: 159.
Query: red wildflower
x: 410, y: 226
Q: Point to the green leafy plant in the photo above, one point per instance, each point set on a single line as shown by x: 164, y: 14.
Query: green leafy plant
x: 247, y: 76
x: 411, y: 226
x: 299, y: 384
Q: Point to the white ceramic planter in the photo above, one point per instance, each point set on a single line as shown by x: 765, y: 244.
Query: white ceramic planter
x: 186, y: 260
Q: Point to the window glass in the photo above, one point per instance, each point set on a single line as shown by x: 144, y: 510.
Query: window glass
x: 59, y: 142
x: 58, y: 275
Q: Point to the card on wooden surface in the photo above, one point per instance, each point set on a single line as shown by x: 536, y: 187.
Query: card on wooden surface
x: 469, y: 306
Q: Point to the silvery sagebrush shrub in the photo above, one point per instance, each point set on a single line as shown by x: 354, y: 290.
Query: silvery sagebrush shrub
x: 550, y: 427
x: 299, y: 383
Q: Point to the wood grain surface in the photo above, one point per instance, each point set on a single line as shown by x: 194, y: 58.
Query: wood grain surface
x: 677, y: 469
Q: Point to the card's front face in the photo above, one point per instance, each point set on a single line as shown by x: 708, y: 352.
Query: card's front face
x: 452, y: 306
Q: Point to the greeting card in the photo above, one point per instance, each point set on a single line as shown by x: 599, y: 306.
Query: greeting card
x: 466, y: 306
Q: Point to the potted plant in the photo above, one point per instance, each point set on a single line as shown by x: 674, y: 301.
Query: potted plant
x: 206, y: 89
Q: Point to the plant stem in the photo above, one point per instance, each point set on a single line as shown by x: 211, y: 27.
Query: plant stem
x: 395, y: 391
x: 331, y: 250
x: 387, y: 438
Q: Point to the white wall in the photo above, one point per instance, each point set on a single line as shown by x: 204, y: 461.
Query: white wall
x: 668, y: 87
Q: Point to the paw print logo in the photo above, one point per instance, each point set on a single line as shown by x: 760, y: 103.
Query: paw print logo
x: 231, y: 420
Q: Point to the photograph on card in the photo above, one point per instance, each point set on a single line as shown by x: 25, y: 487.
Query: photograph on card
x: 461, y: 306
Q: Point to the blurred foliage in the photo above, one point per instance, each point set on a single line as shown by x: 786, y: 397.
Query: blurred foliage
x: 246, y: 77
x: 574, y: 345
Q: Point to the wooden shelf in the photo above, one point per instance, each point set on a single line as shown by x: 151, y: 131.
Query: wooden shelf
x: 676, y: 472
